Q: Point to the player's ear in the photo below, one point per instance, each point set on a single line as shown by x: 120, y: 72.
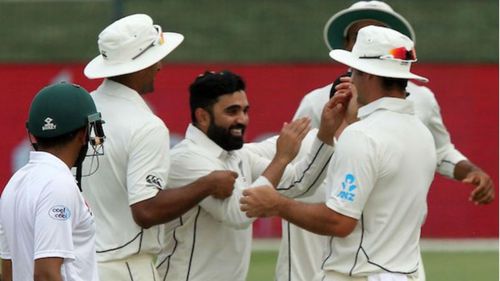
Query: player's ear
x: 82, y: 136
x: 202, y: 119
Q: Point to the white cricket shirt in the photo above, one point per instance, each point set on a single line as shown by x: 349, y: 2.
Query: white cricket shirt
x: 301, y: 252
x: 43, y: 214
x: 380, y: 175
x: 213, y: 240
x: 134, y: 168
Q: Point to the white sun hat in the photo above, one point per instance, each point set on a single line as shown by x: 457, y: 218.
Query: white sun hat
x: 130, y: 44
x: 337, y: 26
x: 382, y: 52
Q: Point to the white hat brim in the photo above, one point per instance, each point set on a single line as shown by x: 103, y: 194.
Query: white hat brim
x: 101, y: 68
x: 378, y: 67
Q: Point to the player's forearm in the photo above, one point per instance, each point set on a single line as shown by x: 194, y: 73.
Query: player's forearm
x: 274, y: 171
x: 6, y: 270
x: 316, y: 218
x: 171, y: 203
x: 48, y: 269
x: 306, y: 175
x: 463, y: 168
x: 326, y: 135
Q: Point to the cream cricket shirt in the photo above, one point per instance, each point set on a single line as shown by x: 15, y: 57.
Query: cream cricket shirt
x: 380, y: 174
x: 43, y: 214
x: 303, y: 260
x: 426, y: 108
x: 213, y: 240
x: 134, y: 168
x: 301, y: 252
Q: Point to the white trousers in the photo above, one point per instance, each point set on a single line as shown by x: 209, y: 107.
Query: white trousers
x: 134, y: 268
x: 335, y: 276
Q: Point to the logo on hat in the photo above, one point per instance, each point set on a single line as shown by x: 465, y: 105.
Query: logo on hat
x: 48, y: 124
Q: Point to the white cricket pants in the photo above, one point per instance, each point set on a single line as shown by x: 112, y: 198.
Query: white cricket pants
x: 134, y: 268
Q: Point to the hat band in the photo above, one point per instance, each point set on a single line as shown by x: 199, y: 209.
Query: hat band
x: 157, y: 41
x: 398, y: 54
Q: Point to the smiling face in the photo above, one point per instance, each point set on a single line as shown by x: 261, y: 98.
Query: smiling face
x: 227, y: 120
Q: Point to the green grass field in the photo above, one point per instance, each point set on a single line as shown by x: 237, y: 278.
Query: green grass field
x: 439, y: 266
x: 240, y: 31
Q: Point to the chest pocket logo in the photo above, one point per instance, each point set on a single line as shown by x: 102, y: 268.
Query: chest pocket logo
x: 348, y: 188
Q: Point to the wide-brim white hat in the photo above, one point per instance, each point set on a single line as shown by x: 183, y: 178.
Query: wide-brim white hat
x: 131, y: 44
x: 337, y: 26
x: 382, y: 52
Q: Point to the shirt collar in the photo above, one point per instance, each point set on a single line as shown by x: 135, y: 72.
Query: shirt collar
x: 198, y: 137
x: 48, y: 158
x: 118, y: 90
x: 387, y: 103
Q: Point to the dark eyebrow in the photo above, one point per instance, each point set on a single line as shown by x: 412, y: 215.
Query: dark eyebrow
x: 236, y: 107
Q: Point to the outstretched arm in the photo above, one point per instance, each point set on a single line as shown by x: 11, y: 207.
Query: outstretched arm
x: 287, y: 147
x: 318, y: 218
x: 170, y: 203
x: 451, y: 162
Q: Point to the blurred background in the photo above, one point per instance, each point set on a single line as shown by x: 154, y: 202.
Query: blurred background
x: 239, y: 31
x: 278, y: 47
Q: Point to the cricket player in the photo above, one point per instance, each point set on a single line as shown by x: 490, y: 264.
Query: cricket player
x: 48, y: 231
x: 301, y: 252
x: 213, y: 240
x: 127, y: 193
x: 379, y: 177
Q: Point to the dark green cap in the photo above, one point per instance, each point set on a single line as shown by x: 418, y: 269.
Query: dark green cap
x: 336, y: 28
x: 59, y: 109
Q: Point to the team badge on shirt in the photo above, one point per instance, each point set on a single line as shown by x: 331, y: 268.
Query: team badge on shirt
x: 60, y: 213
x: 347, y: 193
x: 156, y: 181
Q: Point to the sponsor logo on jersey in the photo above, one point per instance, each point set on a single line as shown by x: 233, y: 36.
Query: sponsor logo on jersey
x: 60, y: 212
x: 156, y: 181
x: 48, y: 124
x: 348, y: 189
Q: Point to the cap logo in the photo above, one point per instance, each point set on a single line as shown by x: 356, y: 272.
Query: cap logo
x: 48, y: 124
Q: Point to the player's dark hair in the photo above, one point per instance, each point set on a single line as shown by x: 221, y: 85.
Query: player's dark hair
x: 59, y: 141
x: 206, y: 89
x: 394, y: 83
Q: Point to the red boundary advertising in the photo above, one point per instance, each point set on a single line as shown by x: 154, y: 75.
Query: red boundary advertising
x: 468, y: 96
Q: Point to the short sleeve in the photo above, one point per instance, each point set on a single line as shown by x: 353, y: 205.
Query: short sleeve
x: 55, y: 214
x: 147, y: 168
x: 352, y: 174
x: 4, y: 246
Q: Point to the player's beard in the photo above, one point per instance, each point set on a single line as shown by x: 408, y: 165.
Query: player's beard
x: 223, y: 137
